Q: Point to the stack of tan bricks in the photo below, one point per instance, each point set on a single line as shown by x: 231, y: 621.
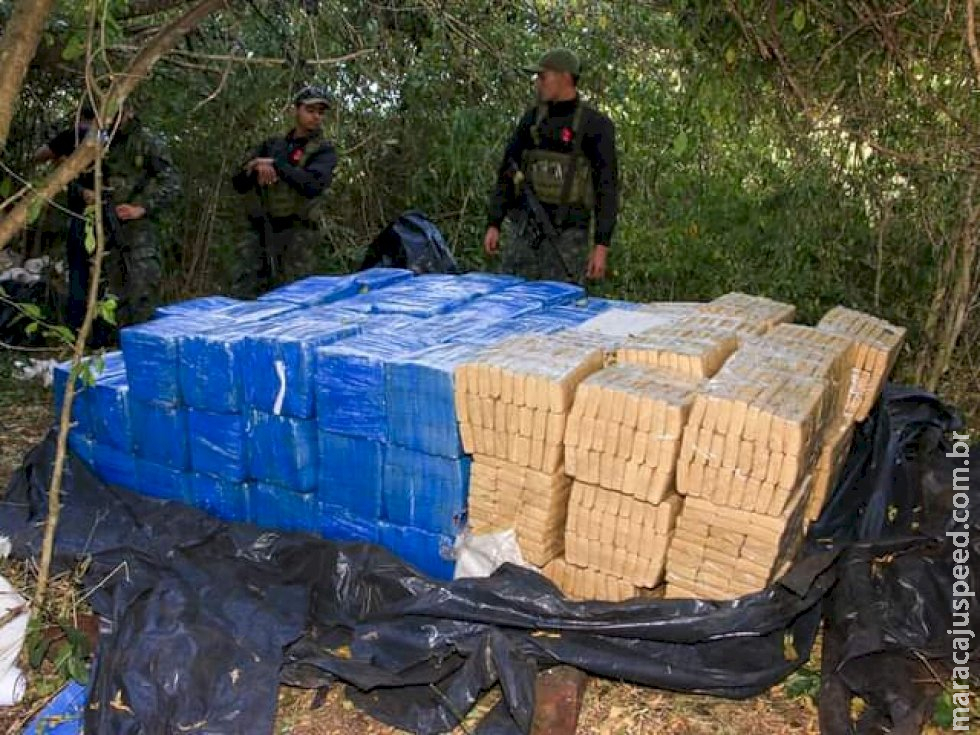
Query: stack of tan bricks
x: 621, y: 445
x: 512, y: 406
x: 878, y: 344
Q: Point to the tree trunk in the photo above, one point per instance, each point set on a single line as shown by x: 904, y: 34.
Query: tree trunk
x: 122, y: 86
x: 17, y: 48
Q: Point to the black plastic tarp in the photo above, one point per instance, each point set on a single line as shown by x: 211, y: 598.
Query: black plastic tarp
x: 208, y: 618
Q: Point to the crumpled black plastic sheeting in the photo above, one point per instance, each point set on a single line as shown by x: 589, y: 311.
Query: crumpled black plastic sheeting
x: 209, y: 617
x: 885, y: 638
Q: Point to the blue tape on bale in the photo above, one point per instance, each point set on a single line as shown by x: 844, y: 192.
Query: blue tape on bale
x: 224, y: 499
x: 425, y: 491
x: 423, y: 296
x: 114, y: 467
x: 337, y: 524
x: 499, y: 281
x: 283, y: 451
x: 109, y: 402
x: 351, y: 474
x: 549, y: 293
x: 277, y: 366
x: 218, y: 444
x: 350, y: 382
x: 151, y: 351
x: 160, y: 433
x: 191, y: 307
x: 374, y: 278
x: 430, y: 553
x: 160, y: 481
x: 421, y: 401
x: 274, y: 506
x: 314, y: 291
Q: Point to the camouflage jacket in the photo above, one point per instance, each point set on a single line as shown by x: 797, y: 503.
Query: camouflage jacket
x: 139, y: 170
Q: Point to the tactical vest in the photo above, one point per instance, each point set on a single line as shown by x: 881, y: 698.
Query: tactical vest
x: 548, y: 171
x: 280, y: 200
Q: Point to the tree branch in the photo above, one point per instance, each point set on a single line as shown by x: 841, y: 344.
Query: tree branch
x: 141, y: 8
x: 256, y: 60
x: 122, y: 86
x: 971, y: 37
x: 17, y: 49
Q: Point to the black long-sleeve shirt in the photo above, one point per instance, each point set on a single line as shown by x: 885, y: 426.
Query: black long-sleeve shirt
x: 310, y: 179
x: 599, y: 148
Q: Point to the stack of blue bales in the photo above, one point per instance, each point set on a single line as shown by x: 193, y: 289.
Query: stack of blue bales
x: 325, y: 406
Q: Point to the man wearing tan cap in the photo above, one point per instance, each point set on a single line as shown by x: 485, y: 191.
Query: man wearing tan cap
x: 563, y: 153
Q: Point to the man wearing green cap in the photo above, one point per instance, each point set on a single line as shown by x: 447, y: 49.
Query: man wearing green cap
x: 564, y: 152
x: 284, y: 178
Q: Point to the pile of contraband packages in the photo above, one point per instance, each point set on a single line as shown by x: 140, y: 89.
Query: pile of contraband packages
x: 674, y: 449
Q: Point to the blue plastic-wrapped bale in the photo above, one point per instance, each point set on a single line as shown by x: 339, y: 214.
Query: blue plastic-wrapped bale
x: 350, y: 382
x: 160, y: 481
x: 423, y: 296
x: 425, y: 491
x: 535, y: 323
x: 97, y: 368
x: 421, y: 401
x: 218, y: 444
x: 375, y: 278
x: 109, y: 401
x: 500, y: 306
x: 191, y: 307
x: 498, y: 281
x: 62, y: 715
x: 222, y: 498
x: 273, y: 506
x: 277, y: 366
x: 114, y: 466
x: 160, y: 433
x: 549, y: 293
x: 83, y: 446
x: 208, y: 365
x: 338, y: 524
x: 152, y: 353
x: 430, y: 553
x: 314, y: 291
x: 351, y: 474
x: 282, y: 451
x: 456, y: 326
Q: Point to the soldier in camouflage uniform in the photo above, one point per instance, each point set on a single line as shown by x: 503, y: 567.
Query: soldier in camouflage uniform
x: 143, y: 183
x: 564, y: 150
x: 283, y: 179
x: 139, y: 182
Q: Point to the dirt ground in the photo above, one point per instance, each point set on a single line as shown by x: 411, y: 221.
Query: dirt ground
x: 610, y: 708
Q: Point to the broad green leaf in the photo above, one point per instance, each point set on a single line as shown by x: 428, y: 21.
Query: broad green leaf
x: 107, y: 310
x: 74, y: 49
x: 34, y: 210
x: 799, y: 18
x: 90, y: 241
x: 31, y: 328
x: 680, y: 143
x: 731, y: 55
x: 6, y: 188
x: 31, y: 310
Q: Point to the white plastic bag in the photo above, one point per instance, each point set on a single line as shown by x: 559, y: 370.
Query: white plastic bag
x: 12, y: 634
x: 480, y: 556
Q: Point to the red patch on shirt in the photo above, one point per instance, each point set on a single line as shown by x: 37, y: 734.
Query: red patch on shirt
x: 296, y: 156
x: 567, y: 135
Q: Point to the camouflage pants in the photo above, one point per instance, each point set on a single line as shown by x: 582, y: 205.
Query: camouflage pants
x: 135, y: 271
x: 131, y: 271
x: 524, y: 254
x: 275, y: 253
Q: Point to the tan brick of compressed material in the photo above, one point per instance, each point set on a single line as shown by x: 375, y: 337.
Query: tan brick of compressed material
x: 720, y: 553
x: 685, y: 350
x: 617, y: 534
x: 835, y: 447
x: 751, y: 436
x: 624, y: 430
x: 758, y: 310
x: 589, y: 584
x: 878, y: 343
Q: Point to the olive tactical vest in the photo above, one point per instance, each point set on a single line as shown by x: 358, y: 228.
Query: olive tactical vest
x: 280, y: 200
x: 548, y: 171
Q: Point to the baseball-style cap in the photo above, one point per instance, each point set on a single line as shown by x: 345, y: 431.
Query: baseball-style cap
x: 557, y: 59
x: 313, y: 95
